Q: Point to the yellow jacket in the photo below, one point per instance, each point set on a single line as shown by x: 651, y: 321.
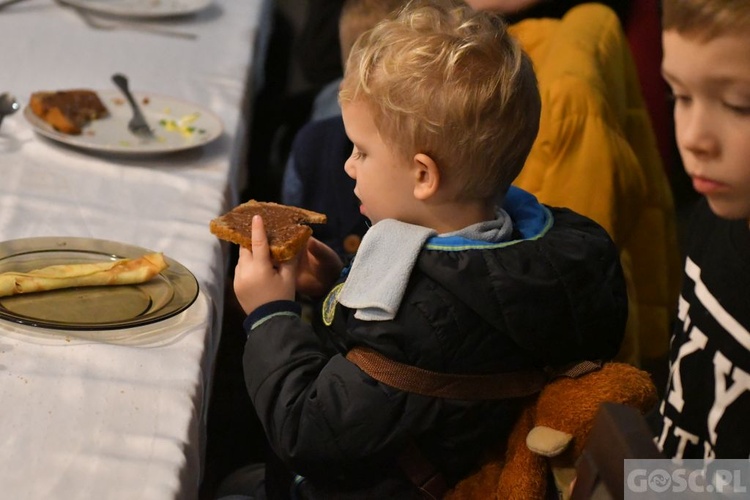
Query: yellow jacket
x: 596, y: 153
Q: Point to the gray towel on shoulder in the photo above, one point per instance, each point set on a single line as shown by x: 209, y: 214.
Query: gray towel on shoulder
x: 385, y: 259
x: 381, y: 269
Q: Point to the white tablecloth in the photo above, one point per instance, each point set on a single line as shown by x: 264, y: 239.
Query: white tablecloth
x: 84, y: 420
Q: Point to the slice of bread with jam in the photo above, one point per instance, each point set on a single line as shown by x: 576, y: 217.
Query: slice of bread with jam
x: 286, y: 227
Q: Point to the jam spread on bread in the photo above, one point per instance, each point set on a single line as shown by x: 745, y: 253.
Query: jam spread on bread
x: 286, y: 227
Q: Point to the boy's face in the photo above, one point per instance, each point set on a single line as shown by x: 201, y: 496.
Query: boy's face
x: 384, y: 183
x: 710, y: 81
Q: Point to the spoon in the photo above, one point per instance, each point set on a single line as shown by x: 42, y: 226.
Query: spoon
x: 8, y: 105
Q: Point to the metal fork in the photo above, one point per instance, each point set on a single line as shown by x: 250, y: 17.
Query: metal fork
x: 8, y: 3
x: 100, y: 24
x: 138, y: 124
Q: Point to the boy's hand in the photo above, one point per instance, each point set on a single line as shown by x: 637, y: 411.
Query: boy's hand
x: 318, y: 269
x: 257, y: 280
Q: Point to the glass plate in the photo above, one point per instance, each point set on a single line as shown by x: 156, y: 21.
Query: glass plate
x: 92, y: 308
x: 178, y: 126
x: 159, y: 334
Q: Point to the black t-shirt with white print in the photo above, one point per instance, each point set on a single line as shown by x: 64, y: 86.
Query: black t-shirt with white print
x: 706, y: 408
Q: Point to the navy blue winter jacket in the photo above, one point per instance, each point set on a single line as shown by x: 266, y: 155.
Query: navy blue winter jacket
x: 553, y: 295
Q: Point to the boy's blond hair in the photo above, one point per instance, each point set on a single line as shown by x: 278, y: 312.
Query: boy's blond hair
x: 358, y: 16
x: 706, y: 19
x: 449, y: 82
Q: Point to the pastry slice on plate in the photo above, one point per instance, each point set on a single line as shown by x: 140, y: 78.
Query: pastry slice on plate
x: 118, y: 272
x: 68, y: 111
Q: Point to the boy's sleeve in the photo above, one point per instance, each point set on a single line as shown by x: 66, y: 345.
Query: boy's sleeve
x: 320, y: 412
x: 292, y: 187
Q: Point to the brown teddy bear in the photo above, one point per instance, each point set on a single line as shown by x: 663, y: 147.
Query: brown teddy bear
x: 551, y: 433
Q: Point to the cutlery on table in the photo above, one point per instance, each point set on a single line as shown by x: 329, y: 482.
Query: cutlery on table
x: 8, y: 105
x: 98, y: 23
x: 138, y: 124
x: 8, y: 3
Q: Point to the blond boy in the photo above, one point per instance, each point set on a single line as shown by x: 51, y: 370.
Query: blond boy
x: 458, y: 275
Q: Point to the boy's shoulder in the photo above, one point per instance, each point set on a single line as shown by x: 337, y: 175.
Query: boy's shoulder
x: 327, y: 130
x: 321, y: 145
x: 533, y: 220
x: 717, y: 239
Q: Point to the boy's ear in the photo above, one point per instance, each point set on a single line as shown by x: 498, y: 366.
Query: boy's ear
x: 426, y: 176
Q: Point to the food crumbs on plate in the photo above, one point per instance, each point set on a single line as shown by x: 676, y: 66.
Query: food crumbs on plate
x: 119, y: 101
x: 184, y: 125
x: 169, y: 125
x: 146, y: 101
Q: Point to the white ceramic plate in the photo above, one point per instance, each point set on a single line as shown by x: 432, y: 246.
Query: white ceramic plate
x: 142, y: 8
x: 96, y: 307
x: 178, y: 125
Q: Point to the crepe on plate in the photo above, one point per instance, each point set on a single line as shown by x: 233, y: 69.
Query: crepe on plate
x: 118, y: 272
